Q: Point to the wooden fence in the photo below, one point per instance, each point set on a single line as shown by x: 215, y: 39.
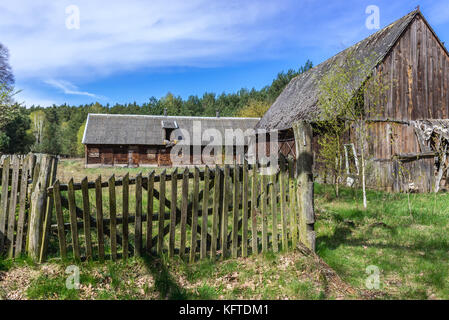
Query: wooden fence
x: 197, y: 213
x: 21, y: 179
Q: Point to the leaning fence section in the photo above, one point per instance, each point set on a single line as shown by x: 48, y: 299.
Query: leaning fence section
x: 20, y: 178
x: 195, y: 213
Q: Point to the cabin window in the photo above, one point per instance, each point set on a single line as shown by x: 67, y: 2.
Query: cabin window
x: 94, y: 153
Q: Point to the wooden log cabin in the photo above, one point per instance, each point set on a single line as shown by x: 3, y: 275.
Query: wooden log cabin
x: 409, y: 135
x: 146, y: 140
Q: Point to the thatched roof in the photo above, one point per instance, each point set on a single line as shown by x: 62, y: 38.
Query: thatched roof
x: 299, y: 99
x: 148, y: 130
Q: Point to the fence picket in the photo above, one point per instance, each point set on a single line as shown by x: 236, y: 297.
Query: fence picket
x: 224, y: 217
x: 160, y: 235
x: 112, y: 217
x: 292, y: 203
x: 274, y: 214
x: 12, y: 206
x: 73, y: 221
x: 254, y: 246
x: 174, y: 201
x: 48, y: 213
x: 245, y: 210
x: 138, y: 221
x: 99, y: 211
x: 150, y: 210
x: 184, y: 206
x: 203, y: 246
x: 215, y: 214
x: 194, y: 215
x: 125, y: 215
x: 59, y: 220
x: 263, y: 201
x: 235, y: 218
x: 22, y: 207
x: 282, y: 182
x: 4, y: 202
x: 86, y: 218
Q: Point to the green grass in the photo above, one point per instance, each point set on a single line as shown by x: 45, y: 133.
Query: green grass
x: 407, y: 240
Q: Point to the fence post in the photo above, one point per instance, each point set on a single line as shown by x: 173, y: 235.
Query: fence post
x: 305, y: 194
x: 49, y: 211
x: 38, y: 205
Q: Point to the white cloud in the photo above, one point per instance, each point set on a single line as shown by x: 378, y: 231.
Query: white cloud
x: 118, y: 35
x: 69, y: 88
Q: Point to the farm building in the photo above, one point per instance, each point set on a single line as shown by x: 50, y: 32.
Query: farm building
x: 144, y: 140
x: 409, y: 136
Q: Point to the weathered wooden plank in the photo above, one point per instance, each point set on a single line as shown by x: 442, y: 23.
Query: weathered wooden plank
x: 99, y: 214
x: 293, y: 213
x: 150, y: 211
x: 305, y: 192
x: 224, y: 217
x: 125, y: 215
x: 160, y: 235
x: 215, y: 214
x: 60, y: 220
x: 38, y: 208
x: 22, y: 206
x: 4, y: 202
x: 245, y: 210
x: 282, y: 176
x: 184, y: 205
x: 274, y: 213
x: 196, y: 186
x: 12, y: 206
x: 48, y: 213
x: 254, y: 246
x: 235, y: 212
x: 138, y: 222
x: 73, y: 222
x: 174, y: 202
x: 113, y: 217
x: 203, y: 243
x: 86, y: 218
x: 264, y: 212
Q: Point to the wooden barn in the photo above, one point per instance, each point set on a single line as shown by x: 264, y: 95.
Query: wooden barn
x: 410, y: 135
x: 144, y: 140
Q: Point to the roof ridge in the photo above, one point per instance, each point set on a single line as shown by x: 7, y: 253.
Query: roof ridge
x: 168, y: 117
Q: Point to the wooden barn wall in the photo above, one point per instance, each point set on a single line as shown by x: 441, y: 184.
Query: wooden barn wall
x: 399, y: 176
x: 388, y: 139
x: 418, y: 68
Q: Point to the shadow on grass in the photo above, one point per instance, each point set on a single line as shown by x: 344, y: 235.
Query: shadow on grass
x: 164, y: 282
x: 342, y: 237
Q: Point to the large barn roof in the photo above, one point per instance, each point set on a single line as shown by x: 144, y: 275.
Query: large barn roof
x: 300, y: 98
x: 148, y: 130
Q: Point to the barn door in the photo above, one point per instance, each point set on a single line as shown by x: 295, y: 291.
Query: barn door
x: 133, y: 157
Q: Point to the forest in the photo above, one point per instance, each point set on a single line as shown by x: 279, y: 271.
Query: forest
x: 59, y: 129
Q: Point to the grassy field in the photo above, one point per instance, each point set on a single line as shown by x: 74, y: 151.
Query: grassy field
x: 74, y: 168
x: 405, y: 238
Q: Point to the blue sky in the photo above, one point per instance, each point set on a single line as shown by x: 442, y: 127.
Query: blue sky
x: 126, y: 51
